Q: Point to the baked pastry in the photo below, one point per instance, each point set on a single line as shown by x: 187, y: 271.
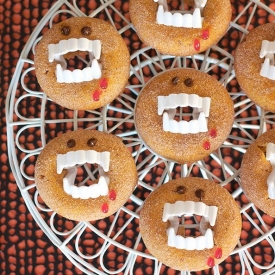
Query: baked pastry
x: 100, y: 80
x: 180, y: 33
x: 167, y: 231
x: 161, y: 115
x: 56, y: 171
x: 258, y: 172
x: 254, y: 66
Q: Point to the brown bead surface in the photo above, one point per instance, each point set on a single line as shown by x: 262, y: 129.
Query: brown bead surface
x: 86, y: 30
x: 181, y: 189
x: 65, y: 30
x: 188, y: 82
x: 175, y: 80
x: 200, y: 194
x: 91, y: 142
x: 71, y: 143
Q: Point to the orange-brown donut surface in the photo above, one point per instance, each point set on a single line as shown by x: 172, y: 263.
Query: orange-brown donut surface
x: 114, y: 60
x: 255, y: 169
x: 248, y: 63
x: 178, y: 147
x: 180, y: 41
x: 122, y: 175
x: 226, y: 231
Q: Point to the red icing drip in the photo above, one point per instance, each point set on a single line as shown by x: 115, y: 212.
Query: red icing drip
x: 218, y: 253
x: 206, y: 145
x: 103, y: 83
x: 205, y: 34
x: 197, y: 44
x: 96, y: 95
x: 105, y: 208
x: 213, y: 133
x: 210, y: 262
x: 112, y: 195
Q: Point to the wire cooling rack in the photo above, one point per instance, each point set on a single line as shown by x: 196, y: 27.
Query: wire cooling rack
x: 114, y: 245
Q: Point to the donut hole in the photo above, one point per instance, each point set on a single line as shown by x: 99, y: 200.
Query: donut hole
x: 77, y: 61
x: 87, y: 174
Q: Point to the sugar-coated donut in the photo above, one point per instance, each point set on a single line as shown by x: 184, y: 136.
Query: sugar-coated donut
x: 253, y: 66
x: 55, y: 173
x: 100, y: 80
x: 164, y: 224
x: 257, y: 173
x: 182, y: 141
x: 213, y: 20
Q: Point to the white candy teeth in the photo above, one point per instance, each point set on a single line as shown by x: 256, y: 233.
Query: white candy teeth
x: 212, y: 215
x: 96, y: 69
x: 209, y: 243
x: 270, y: 156
x: 267, y: 51
x: 160, y: 15
x: 103, y: 185
x: 197, y: 20
x: 200, y: 3
x: 75, y: 192
x: 166, y: 212
x: 84, y: 192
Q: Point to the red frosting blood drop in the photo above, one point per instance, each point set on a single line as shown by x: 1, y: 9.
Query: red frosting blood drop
x: 206, y: 145
x: 213, y: 133
x: 112, y: 195
x: 96, y: 95
x: 218, y: 253
x: 105, y: 207
x: 210, y: 262
x: 205, y: 34
x: 103, y: 83
x: 197, y: 44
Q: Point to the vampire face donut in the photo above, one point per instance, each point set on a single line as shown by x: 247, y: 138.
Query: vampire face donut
x: 258, y: 172
x: 106, y: 63
x: 180, y: 33
x: 191, y: 230
x: 57, y: 166
x: 183, y: 115
x: 254, y: 66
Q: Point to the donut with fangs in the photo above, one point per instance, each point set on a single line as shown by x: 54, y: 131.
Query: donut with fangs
x: 168, y: 28
x: 75, y: 57
x: 85, y: 174
x: 190, y: 224
x: 183, y: 115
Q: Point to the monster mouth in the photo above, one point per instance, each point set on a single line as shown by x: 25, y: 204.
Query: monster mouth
x: 70, y: 160
x: 201, y: 109
x: 177, y: 19
x: 92, y: 70
x: 171, y: 212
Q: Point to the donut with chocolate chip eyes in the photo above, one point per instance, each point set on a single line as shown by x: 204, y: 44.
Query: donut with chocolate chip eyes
x: 85, y: 175
x: 82, y: 63
x: 190, y: 224
x: 180, y: 33
x: 183, y: 115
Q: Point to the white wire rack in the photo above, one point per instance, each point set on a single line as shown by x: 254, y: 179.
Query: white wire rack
x: 90, y: 246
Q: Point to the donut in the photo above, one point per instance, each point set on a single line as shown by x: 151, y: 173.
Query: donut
x: 253, y: 66
x: 96, y: 81
x: 164, y: 106
x: 180, y: 33
x: 171, y: 210
x: 257, y: 172
x: 111, y: 174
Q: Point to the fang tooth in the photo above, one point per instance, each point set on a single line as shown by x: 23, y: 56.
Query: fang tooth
x: 51, y: 50
x: 96, y: 48
x: 171, y: 237
x: 69, y: 179
x: 189, y: 207
x: 103, y: 185
x: 96, y: 69
x: 61, y: 159
x: 206, y: 105
x: 265, y: 67
x: 209, y: 243
x: 166, y: 123
x: 66, y: 187
x: 59, y: 73
x: 197, y: 18
x: 84, y: 192
x: 160, y: 15
x: 160, y: 104
x: 271, y: 189
x: 199, y: 208
x: 177, y: 19
x: 212, y: 215
x: 75, y: 192
x: 166, y: 212
x: 73, y: 44
x: 168, y: 20
x: 83, y: 44
x: 187, y: 20
x: 202, y: 123
x: 77, y: 76
x: 270, y: 150
x: 105, y: 161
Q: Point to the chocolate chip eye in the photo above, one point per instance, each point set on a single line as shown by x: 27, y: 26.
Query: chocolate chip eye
x: 65, y: 30
x: 175, y: 80
x: 91, y: 142
x: 180, y: 189
x: 71, y: 143
x: 199, y: 194
x: 188, y: 82
x: 86, y: 30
